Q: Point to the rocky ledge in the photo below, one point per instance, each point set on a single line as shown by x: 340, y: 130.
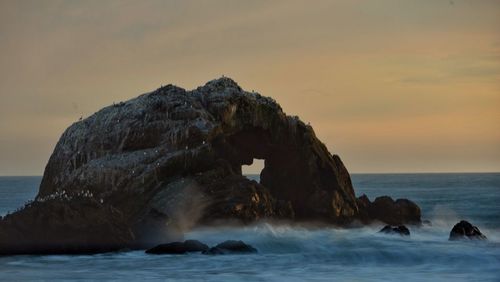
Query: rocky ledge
x: 138, y: 173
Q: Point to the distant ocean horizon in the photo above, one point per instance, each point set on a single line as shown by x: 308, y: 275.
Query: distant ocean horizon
x: 294, y: 253
x: 350, y: 173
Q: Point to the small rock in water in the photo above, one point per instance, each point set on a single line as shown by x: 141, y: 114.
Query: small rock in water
x: 178, y: 247
x: 465, y: 230
x: 401, y: 230
x: 230, y: 247
x: 170, y: 248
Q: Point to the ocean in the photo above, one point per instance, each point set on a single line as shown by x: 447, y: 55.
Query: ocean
x: 290, y: 253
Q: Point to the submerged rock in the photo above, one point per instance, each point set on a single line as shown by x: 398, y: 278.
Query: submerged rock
x: 230, y: 247
x: 400, y: 230
x: 187, y: 246
x: 171, y: 159
x: 465, y: 230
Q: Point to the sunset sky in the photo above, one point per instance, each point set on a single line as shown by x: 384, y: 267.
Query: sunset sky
x: 390, y: 86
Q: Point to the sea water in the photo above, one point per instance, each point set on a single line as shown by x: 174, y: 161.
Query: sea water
x: 289, y: 253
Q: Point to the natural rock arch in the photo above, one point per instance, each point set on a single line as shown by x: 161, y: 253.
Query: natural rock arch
x: 135, y: 148
x: 171, y: 159
x: 298, y: 169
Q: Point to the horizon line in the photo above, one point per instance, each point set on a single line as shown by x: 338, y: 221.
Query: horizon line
x: 351, y: 173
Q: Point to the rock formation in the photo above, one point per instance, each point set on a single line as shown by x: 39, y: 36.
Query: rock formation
x: 59, y: 227
x: 171, y: 159
x: 400, y: 230
x: 188, y: 246
x: 387, y: 210
x: 465, y: 230
x: 230, y: 247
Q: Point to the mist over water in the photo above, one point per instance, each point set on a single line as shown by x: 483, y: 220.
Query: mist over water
x: 294, y: 253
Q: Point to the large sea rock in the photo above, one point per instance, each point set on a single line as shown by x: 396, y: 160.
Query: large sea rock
x: 171, y: 159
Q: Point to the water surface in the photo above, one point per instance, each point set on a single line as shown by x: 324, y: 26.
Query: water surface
x: 296, y: 254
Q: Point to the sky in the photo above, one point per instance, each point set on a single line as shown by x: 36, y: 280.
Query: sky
x: 390, y: 86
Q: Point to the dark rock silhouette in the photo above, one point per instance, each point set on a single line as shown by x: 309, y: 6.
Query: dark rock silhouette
x: 465, y: 230
x: 400, y: 230
x: 187, y: 246
x: 55, y: 227
x: 230, y: 247
x: 387, y: 210
x: 171, y: 159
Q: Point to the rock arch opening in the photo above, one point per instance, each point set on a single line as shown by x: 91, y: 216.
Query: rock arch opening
x: 298, y: 169
x: 253, y: 170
